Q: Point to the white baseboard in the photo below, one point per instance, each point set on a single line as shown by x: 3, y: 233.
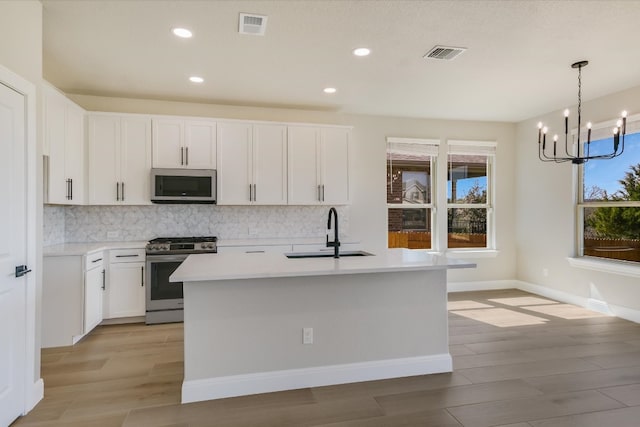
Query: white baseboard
x: 34, y: 395
x: 480, y: 286
x: 589, y: 303
x: 265, y: 382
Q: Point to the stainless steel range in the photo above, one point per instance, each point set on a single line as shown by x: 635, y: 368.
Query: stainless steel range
x: 164, y: 255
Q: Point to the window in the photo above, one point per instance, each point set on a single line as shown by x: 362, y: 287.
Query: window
x: 413, y: 194
x: 609, y: 198
x: 469, y: 199
x: 410, y: 179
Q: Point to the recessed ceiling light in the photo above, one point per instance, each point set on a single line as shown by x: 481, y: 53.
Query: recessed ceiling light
x: 182, y: 32
x: 361, y: 51
x: 196, y: 79
x: 329, y: 90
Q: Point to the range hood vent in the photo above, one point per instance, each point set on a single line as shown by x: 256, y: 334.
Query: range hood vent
x: 445, y: 52
x: 252, y: 24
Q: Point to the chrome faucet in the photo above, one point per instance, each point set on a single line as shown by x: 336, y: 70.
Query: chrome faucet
x: 336, y: 243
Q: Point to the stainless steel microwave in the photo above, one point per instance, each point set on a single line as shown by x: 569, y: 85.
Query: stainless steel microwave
x: 183, y: 185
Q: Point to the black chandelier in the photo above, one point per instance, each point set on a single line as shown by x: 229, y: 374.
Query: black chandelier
x: 618, y: 135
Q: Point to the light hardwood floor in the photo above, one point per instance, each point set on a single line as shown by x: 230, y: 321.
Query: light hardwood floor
x: 519, y: 360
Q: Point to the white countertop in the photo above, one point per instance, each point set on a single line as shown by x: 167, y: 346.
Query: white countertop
x: 69, y: 249
x: 280, y: 241
x: 229, y: 266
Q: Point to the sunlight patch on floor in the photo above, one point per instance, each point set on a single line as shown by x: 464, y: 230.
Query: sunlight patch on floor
x: 565, y: 311
x: 501, y: 317
x: 520, y: 301
x: 465, y: 305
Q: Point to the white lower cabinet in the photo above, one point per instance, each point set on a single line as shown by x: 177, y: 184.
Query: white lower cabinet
x: 94, y: 286
x: 72, y: 292
x: 125, y: 296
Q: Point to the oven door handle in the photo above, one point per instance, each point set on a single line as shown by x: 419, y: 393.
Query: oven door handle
x: 166, y: 258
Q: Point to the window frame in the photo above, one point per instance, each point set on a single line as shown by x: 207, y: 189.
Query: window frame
x: 434, y: 145
x: 439, y: 166
x: 599, y: 131
x: 484, y: 148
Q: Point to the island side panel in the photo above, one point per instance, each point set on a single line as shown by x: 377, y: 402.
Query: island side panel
x: 236, y: 328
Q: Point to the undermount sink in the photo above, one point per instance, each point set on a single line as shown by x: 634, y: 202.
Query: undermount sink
x: 327, y: 254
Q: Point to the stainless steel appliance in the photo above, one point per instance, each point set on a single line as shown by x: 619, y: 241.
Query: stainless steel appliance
x: 183, y: 185
x: 164, y: 300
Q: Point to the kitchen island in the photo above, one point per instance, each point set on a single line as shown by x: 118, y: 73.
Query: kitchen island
x: 260, y: 322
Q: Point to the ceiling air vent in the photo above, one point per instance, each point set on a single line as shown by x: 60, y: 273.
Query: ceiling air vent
x: 444, y: 52
x: 252, y: 24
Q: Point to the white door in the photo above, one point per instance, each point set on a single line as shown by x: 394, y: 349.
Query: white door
x: 94, y: 288
x: 104, y: 160
x: 168, y: 143
x: 303, y: 177
x: 13, y: 252
x: 335, y: 166
x: 126, y: 290
x: 200, y: 144
x: 234, y: 173
x: 270, y: 164
x: 136, y: 161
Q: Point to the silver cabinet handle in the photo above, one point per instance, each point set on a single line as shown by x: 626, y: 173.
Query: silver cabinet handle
x: 117, y: 191
x: 182, y: 155
x: 319, y: 197
x: 128, y: 256
x: 141, y: 276
x: 255, y: 193
x: 250, y: 193
x: 71, y: 186
x: 323, y: 192
x: 104, y: 282
x: 187, y: 156
x: 122, y: 191
x: 96, y: 260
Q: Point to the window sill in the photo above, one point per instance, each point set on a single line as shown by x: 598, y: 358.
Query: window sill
x: 471, y: 253
x: 606, y: 266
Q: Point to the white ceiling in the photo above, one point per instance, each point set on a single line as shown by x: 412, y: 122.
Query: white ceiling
x: 517, y: 64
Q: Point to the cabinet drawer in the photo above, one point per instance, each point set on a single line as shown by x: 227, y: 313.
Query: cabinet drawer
x: 94, y: 260
x: 126, y: 255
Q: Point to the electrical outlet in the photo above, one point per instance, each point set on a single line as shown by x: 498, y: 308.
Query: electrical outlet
x: 307, y: 335
x: 112, y: 234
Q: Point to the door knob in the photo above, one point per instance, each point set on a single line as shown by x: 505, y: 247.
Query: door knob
x: 21, y: 270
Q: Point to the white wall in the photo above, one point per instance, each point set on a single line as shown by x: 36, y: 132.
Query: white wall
x: 368, y: 218
x: 545, y: 211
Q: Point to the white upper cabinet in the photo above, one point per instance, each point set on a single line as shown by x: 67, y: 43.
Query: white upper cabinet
x: 119, y: 159
x: 318, y: 165
x: 180, y: 143
x: 64, y: 144
x: 252, y: 164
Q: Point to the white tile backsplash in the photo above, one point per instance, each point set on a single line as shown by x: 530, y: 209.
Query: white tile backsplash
x: 129, y: 223
x: 53, y: 225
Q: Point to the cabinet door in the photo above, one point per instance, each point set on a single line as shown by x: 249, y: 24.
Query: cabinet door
x: 74, y: 152
x: 135, y: 166
x: 270, y: 164
x: 93, y: 282
x: 335, y: 165
x: 200, y: 144
x: 104, y: 160
x: 234, y: 172
x: 126, y: 290
x: 54, y: 112
x: 168, y: 143
x: 303, y: 176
